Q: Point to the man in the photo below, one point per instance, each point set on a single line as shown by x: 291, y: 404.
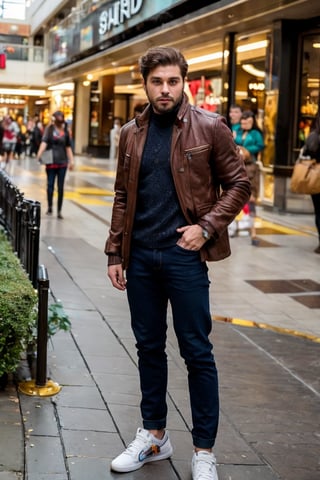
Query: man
x: 235, y: 114
x: 179, y: 183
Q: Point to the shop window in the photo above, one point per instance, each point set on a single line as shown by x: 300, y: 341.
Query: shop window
x: 95, y: 107
x: 309, y: 86
x: 205, y: 92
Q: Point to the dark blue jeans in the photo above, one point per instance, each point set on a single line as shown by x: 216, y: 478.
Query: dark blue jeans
x: 175, y: 275
x: 52, y: 173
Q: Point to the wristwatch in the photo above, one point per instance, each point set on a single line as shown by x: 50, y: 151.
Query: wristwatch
x: 205, y: 234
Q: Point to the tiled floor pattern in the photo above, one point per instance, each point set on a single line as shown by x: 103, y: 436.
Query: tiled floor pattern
x: 309, y: 288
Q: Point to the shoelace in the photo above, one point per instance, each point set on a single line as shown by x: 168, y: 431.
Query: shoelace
x: 137, y: 444
x: 204, y: 468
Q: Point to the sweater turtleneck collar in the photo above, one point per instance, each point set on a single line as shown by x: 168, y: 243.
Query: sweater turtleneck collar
x: 165, y: 119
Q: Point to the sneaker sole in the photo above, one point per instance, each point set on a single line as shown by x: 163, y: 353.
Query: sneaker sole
x: 132, y: 468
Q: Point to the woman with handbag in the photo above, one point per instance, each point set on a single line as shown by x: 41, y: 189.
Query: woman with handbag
x: 250, y: 140
x: 56, y: 137
x: 312, y: 149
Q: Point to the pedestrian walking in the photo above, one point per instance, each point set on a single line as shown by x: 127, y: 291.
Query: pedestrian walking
x: 114, y: 139
x: 235, y: 113
x: 9, y: 139
x: 56, y: 136
x: 250, y: 139
x: 312, y: 149
x: 179, y: 183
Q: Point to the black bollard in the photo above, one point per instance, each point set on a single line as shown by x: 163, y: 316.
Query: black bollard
x: 42, y: 340
x: 41, y: 386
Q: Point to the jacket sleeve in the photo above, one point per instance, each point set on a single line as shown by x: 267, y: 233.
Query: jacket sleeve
x: 114, y: 241
x: 230, y: 180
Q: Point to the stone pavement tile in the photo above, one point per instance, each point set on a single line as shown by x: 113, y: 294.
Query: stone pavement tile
x: 85, y: 419
x: 66, y: 375
x: 99, y: 342
x: 90, y: 444
x: 48, y: 476
x: 99, y: 469
x: 247, y: 472
x: 12, y: 476
x: 11, y: 447
x: 44, y: 455
x: 292, y: 456
x: 104, y: 364
x: 232, y: 448
x: 121, y: 389
x: 39, y: 416
x: 300, y: 355
x: 11, y: 434
x: 79, y: 396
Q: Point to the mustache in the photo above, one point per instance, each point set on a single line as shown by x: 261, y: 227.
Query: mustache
x: 165, y: 97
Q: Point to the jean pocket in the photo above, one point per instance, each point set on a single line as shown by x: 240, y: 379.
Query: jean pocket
x: 186, y: 251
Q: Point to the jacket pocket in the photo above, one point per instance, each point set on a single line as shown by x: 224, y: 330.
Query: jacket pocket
x: 200, y: 177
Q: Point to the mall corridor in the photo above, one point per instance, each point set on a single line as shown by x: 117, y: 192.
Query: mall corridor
x: 265, y: 303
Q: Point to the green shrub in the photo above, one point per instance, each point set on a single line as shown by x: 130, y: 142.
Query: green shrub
x: 18, y: 308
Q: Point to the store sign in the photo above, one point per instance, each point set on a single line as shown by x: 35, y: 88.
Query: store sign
x: 103, y: 24
x: 117, y: 13
x: 256, y: 86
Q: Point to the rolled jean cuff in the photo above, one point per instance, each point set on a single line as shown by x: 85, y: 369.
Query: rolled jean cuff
x: 155, y: 424
x: 203, y: 442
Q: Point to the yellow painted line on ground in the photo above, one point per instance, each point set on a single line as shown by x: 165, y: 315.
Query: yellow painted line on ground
x: 86, y: 168
x: 93, y: 191
x: 252, y: 324
x: 259, y: 222
x: 85, y: 200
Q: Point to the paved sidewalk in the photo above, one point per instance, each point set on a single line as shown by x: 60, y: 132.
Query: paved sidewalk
x: 269, y: 381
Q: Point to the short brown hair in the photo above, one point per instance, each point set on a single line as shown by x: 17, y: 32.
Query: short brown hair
x: 164, y: 56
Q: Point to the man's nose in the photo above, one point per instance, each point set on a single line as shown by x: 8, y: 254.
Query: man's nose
x: 165, y: 87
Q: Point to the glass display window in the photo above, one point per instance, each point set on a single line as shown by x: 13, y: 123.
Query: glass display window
x: 309, y: 86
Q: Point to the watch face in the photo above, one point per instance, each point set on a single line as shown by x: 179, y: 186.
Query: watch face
x: 205, y: 234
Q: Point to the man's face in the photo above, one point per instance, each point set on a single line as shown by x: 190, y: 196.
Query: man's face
x: 164, y: 88
x: 235, y: 115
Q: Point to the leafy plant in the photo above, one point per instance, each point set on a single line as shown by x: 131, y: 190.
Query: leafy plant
x: 18, y: 301
x: 57, y: 319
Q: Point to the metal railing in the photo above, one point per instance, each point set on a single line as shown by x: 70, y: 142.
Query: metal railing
x: 20, y: 219
x: 23, y: 53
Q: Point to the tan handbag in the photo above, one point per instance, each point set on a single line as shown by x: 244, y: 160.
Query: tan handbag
x: 305, y: 177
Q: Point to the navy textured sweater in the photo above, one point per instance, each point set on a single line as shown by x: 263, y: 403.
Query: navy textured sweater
x: 158, y: 213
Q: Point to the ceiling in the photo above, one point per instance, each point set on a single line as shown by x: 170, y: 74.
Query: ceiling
x: 194, y: 36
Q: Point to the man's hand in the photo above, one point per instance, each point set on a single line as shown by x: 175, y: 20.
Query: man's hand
x: 115, y: 273
x: 191, y: 238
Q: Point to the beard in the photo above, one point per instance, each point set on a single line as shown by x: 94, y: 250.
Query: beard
x: 165, y: 103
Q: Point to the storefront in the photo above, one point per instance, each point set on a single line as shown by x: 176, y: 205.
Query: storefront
x: 271, y: 68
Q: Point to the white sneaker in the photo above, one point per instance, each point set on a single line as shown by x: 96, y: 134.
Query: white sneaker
x: 204, y: 466
x: 144, y: 448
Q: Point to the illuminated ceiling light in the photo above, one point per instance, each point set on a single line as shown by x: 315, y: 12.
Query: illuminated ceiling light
x: 252, y: 70
x: 316, y: 45
x: 89, y: 76
x: 252, y: 46
x: 62, y: 86
x: 86, y: 83
x: 218, y: 55
x: 22, y: 91
x: 205, y: 58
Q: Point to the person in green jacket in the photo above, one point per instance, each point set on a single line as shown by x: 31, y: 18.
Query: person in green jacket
x: 250, y: 138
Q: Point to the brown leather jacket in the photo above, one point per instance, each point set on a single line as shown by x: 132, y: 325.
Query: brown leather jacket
x: 209, y: 175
